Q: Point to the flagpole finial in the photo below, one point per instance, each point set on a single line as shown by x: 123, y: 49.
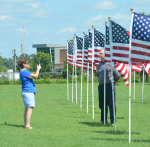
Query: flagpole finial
x: 92, y: 26
x: 83, y: 32
x: 89, y: 30
x: 109, y: 17
x: 67, y: 40
x: 131, y: 9
x: 106, y: 22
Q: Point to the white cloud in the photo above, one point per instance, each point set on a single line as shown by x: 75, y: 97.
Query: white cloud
x: 95, y: 18
x: 3, y: 44
x: 40, y: 13
x: 5, y: 17
x: 105, y: 5
x: 42, y: 32
x: 69, y: 29
x: 34, y: 5
x: 120, y: 16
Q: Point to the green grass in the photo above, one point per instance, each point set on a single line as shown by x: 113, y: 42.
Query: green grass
x: 58, y: 122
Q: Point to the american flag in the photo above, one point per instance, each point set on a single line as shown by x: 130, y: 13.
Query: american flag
x: 85, y: 47
x: 90, y: 48
x: 85, y: 65
x: 78, y: 49
x: 140, y: 38
x: 124, y: 71
x: 120, y: 67
x: 78, y: 56
x: 107, y: 45
x: 119, y: 42
x: 70, y: 53
x: 98, y: 45
x: 136, y: 68
x: 147, y: 68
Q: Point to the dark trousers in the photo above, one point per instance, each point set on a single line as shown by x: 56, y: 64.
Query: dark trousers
x: 109, y: 101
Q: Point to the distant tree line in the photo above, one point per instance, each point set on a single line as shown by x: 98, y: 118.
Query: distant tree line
x: 45, y: 60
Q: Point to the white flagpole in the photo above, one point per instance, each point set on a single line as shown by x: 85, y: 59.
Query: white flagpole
x: 105, y: 85
x: 130, y: 105
x: 134, y: 87
x: 82, y: 72
x: 130, y: 78
x: 105, y: 93
x: 67, y: 74
x: 73, y: 69
x: 92, y: 69
x: 112, y: 77
x: 87, y: 86
x: 72, y: 79
x: 143, y: 84
x: 81, y: 87
x: 75, y: 66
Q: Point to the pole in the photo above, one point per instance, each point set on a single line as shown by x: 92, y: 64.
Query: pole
x: 130, y: 105
x: 134, y: 87
x: 87, y: 86
x: 73, y: 69
x: 76, y: 68
x: 21, y: 50
x: 92, y: 69
x: 15, y: 59
x: 105, y: 94
x: 67, y: 74
x: 24, y: 41
x: 110, y: 33
x: 105, y: 88
x: 130, y: 82
x: 82, y: 72
x: 143, y: 85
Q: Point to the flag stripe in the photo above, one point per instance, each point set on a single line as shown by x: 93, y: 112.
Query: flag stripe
x: 140, y: 42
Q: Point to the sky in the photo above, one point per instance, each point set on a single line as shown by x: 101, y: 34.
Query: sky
x: 56, y: 21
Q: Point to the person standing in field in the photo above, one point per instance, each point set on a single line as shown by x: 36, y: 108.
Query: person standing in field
x: 109, y: 101
x: 28, y: 89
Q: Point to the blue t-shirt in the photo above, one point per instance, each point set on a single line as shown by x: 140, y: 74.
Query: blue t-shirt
x: 27, y: 83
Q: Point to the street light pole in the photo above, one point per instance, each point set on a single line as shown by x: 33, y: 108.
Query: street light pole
x: 24, y: 41
x: 15, y: 57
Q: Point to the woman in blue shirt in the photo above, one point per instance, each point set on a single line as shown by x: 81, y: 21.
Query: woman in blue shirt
x: 28, y: 89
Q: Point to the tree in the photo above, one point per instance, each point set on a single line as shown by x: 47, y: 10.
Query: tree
x: 2, y: 68
x: 70, y: 68
x: 8, y: 63
x: 45, y: 60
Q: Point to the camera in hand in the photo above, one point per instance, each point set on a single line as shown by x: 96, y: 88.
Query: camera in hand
x: 39, y: 62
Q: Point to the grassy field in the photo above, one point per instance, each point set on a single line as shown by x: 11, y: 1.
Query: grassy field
x: 58, y: 122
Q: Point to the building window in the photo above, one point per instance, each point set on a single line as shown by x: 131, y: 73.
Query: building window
x: 45, y: 50
x: 52, y: 53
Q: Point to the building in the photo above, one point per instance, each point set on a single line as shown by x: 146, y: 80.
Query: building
x: 58, y: 54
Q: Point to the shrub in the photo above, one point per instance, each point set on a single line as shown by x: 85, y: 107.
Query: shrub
x: 47, y: 75
x: 55, y: 75
x: 61, y: 81
x: 6, y: 82
x: 41, y: 75
x: 17, y: 82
